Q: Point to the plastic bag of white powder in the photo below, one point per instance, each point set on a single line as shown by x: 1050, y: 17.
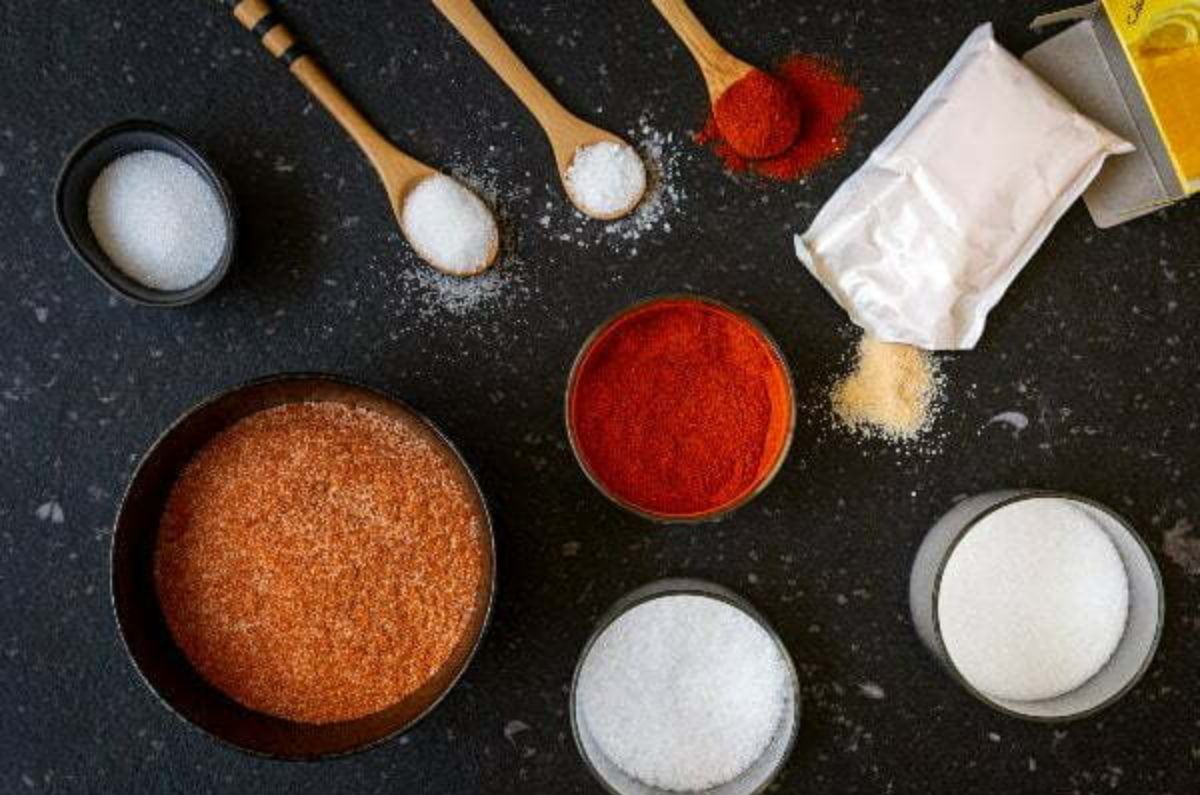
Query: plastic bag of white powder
x: 923, y: 240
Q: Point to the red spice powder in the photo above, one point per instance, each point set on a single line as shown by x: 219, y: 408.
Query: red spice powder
x: 680, y: 408
x: 320, y: 563
x: 759, y: 115
x: 826, y: 100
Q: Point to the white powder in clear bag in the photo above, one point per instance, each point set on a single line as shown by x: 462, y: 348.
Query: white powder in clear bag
x: 923, y: 240
x: 1033, y: 600
x: 683, y: 692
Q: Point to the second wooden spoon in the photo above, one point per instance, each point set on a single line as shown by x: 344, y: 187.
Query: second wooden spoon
x: 568, y: 134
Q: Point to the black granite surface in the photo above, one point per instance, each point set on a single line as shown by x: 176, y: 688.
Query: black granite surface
x: 1096, y: 344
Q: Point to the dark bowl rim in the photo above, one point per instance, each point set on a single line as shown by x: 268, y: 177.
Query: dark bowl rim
x: 1020, y: 495
x: 171, y: 299
x: 300, y: 376
x: 722, y: 511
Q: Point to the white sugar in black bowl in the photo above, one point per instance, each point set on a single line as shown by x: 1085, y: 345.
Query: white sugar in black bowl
x: 87, y: 163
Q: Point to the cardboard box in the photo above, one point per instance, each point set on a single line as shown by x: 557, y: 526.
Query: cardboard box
x: 1133, y: 66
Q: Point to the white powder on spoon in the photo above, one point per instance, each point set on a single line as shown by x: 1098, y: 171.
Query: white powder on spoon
x: 158, y: 220
x: 606, y: 179
x: 449, y: 226
x: 1033, y: 600
x: 683, y: 692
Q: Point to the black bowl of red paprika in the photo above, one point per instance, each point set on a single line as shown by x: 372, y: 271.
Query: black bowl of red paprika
x: 680, y: 409
x: 169, y: 666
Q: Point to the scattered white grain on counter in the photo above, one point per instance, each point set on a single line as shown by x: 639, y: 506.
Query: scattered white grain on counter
x: 450, y: 226
x: 683, y: 692
x: 606, y: 178
x: 158, y: 220
x: 1033, y: 600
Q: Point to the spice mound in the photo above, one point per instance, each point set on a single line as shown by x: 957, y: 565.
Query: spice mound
x: 606, y: 179
x: 683, y: 692
x: 680, y: 408
x: 891, y: 393
x: 759, y: 116
x: 320, y: 563
x: 449, y: 226
x: 817, y: 126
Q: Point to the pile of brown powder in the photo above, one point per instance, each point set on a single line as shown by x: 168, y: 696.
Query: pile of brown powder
x: 891, y: 392
x: 320, y: 563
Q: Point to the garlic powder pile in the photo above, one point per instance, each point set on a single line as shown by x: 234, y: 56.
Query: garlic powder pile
x: 890, y: 394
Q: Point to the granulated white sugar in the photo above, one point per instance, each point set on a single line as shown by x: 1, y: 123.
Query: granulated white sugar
x: 157, y: 219
x: 683, y: 692
x: 606, y: 179
x: 449, y: 226
x: 1033, y: 600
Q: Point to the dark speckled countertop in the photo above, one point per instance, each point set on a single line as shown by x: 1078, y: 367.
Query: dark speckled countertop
x: 1096, y: 344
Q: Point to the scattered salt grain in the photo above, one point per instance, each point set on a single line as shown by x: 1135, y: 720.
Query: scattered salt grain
x: 606, y: 179
x: 158, y: 220
x: 683, y: 692
x: 449, y: 226
x: 1033, y: 600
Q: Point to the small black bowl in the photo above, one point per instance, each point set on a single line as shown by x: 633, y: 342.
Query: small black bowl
x: 84, y: 165
x: 143, y: 628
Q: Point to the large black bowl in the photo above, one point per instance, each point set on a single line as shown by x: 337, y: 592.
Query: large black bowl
x: 164, y: 667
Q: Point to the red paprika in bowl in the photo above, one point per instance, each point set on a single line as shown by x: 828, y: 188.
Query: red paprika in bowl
x: 680, y: 409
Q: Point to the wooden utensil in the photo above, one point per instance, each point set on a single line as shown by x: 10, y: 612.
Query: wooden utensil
x: 567, y: 133
x: 720, y: 68
x: 398, y: 171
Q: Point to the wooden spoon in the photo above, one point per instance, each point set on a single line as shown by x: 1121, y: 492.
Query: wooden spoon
x: 720, y: 68
x: 567, y: 133
x: 399, y: 172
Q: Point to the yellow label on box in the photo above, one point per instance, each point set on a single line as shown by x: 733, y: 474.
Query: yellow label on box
x: 1161, y: 38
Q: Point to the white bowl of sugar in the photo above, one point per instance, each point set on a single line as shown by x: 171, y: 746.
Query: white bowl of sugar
x: 1045, y: 606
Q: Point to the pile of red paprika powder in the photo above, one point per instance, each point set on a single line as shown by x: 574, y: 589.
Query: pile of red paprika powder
x: 680, y: 408
x: 786, y: 124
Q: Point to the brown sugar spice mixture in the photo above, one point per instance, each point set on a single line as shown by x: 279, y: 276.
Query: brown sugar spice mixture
x: 319, y: 563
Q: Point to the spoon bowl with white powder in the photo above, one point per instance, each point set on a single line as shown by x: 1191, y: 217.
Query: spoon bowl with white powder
x: 605, y: 179
x: 448, y: 225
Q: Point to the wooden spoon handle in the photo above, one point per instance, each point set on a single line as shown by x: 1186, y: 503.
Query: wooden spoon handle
x: 258, y: 18
x: 476, y: 29
x: 720, y: 69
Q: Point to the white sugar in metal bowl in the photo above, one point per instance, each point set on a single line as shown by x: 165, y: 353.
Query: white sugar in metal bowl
x: 1033, y: 600
x: 683, y: 692
x: 158, y: 220
x: 606, y: 179
x: 449, y: 226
